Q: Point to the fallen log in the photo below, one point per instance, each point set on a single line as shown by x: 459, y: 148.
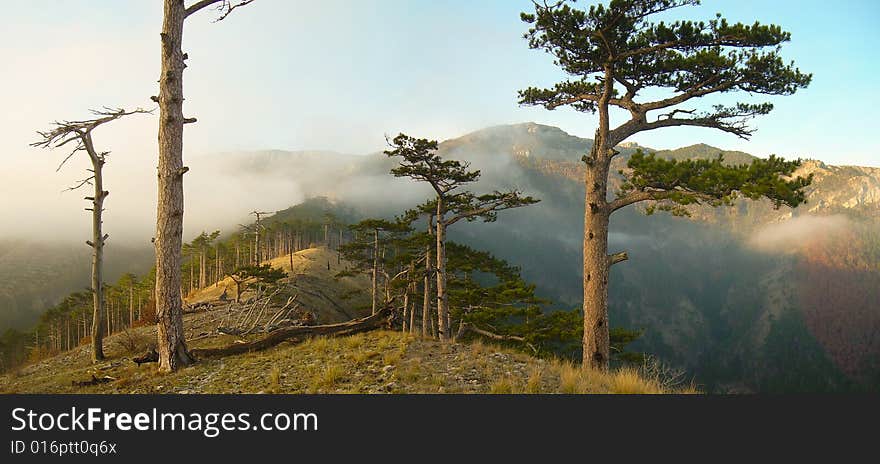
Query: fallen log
x: 148, y: 357
x: 94, y: 381
x: 298, y: 334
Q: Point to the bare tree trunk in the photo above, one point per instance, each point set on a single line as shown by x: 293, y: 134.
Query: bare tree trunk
x: 442, y: 297
x: 131, y: 304
x: 97, y: 244
x: 596, y: 344
x: 203, y: 272
x: 426, y: 301
x: 404, y: 315
x: 375, y: 287
x: 219, y: 263
x: 257, y: 256
x: 169, y: 224
x: 192, y: 275
x: 412, y: 310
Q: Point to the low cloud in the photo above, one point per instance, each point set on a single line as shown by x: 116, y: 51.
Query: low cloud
x: 791, y: 235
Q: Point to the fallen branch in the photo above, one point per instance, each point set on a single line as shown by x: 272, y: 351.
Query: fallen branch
x: 284, y: 310
x: 94, y: 381
x: 299, y: 334
x: 148, y: 357
x: 464, y: 327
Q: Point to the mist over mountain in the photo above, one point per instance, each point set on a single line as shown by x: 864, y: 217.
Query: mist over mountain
x: 742, y: 297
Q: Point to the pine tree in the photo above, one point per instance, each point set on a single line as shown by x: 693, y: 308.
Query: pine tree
x: 171, y: 338
x: 262, y: 273
x: 419, y: 161
x: 368, y: 251
x: 614, y: 55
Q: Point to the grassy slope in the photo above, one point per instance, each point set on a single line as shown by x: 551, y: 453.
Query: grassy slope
x: 375, y: 362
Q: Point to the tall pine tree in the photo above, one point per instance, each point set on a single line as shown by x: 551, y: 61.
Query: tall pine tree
x: 614, y: 55
x: 418, y: 160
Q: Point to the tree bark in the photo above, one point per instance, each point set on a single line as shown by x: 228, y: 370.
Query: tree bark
x: 375, y: 286
x: 97, y: 245
x: 412, y: 310
x: 426, y: 299
x: 596, y: 343
x: 203, y: 272
x: 404, y: 314
x: 172, y: 348
x: 442, y: 297
x: 130, y: 304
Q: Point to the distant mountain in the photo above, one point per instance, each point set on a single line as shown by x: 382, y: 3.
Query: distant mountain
x: 703, y: 151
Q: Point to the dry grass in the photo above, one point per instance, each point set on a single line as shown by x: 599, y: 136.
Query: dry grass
x: 373, y: 362
x: 502, y: 386
x: 533, y: 383
x: 326, y: 378
x: 275, y: 380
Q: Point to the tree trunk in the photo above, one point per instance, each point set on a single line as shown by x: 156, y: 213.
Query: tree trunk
x: 97, y: 244
x: 192, y: 275
x: 596, y: 344
x: 404, y: 315
x: 219, y: 263
x: 131, y: 305
x: 412, y: 310
x: 169, y: 224
x: 426, y: 301
x: 375, y: 288
x: 290, y: 248
x: 442, y: 297
x: 257, y: 257
x: 203, y: 272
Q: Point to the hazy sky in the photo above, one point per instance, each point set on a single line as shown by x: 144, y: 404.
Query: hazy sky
x: 338, y: 75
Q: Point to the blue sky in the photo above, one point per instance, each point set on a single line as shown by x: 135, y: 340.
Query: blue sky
x: 340, y: 74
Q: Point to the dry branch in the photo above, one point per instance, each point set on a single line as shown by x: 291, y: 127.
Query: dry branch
x: 299, y: 334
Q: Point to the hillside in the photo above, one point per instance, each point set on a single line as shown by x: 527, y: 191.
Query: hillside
x: 371, y: 362
x: 329, y: 298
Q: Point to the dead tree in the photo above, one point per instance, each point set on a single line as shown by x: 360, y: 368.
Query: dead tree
x: 79, y: 133
x: 258, y: 256
x: 169, y: 222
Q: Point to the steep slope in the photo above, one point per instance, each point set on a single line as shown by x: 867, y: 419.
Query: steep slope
x: 314, y: 282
